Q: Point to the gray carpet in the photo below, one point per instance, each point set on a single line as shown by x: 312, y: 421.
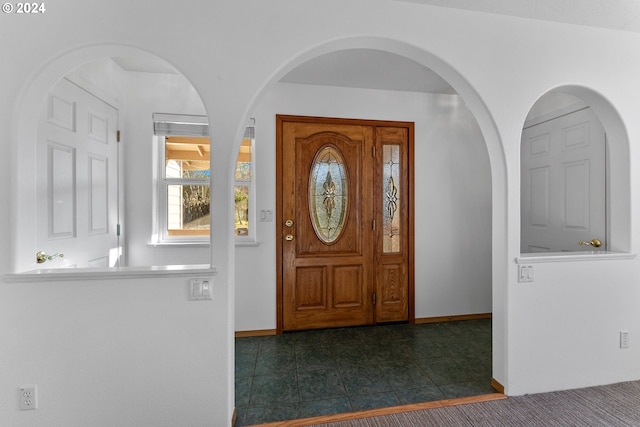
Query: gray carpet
x: 611, y: 405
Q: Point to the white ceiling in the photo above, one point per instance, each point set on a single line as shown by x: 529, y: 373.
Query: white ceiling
x: 623, y: 15
x: 373, y: 69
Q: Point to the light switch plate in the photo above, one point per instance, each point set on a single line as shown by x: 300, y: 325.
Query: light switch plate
x: 525, y: 273
x: 266, y: 215
x: 201, y: 289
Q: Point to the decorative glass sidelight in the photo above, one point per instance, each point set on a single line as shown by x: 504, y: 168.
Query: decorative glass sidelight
x: 328, y: 193
x: 391, y: 201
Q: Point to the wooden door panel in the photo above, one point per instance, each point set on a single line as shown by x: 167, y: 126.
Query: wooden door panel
x: 392, y: 298
x: 350, y: 240
x: 347, y: 286
x: 310, y: 290
x: 317, y: 304
x: 393, y: 277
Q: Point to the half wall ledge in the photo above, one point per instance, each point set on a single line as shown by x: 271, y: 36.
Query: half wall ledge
x: 544, y: 257
x: 115, y: 273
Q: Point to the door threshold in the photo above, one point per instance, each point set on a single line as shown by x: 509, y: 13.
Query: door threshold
x: 324, y: 419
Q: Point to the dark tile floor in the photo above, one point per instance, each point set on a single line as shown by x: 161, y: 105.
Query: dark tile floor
x: 314, y: 373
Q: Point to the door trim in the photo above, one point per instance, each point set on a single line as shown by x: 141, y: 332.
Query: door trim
x: 280, y: 119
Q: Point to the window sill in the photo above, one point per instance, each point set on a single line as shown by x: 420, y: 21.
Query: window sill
x: 170, y: 244
x: 572, y: 256
x: 206, y: 244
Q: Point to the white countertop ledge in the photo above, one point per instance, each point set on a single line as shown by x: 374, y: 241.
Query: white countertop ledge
x: 67, y: 274
x: 572, y: 256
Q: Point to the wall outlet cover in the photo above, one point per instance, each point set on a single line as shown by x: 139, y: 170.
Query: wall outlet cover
x: 28, y: 397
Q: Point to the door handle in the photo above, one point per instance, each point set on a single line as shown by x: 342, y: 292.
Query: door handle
x: 596, y: 243
x: 43, y: 257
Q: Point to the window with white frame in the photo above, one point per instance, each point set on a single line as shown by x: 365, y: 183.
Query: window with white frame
x: 244, y: 195
x: 184, y: 201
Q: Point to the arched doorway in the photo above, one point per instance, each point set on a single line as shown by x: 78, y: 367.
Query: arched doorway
x: 296, y: 91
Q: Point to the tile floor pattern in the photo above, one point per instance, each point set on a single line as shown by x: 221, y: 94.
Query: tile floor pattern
x: 314, y: 373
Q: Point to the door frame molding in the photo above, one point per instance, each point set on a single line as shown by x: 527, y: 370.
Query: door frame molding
x: 280, y: 119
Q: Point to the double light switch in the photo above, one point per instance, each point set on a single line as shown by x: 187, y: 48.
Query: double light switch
x: 201, y: 289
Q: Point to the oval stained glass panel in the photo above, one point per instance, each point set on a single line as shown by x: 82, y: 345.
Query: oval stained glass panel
x: 328, y: 193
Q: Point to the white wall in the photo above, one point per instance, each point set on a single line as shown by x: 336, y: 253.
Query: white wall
x: 499, y: 65
x: 452, y: 196
x: 109, y: 353
x: 592, y: 302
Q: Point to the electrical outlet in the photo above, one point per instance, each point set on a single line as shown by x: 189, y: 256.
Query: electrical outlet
x: 28, y: 397
x: 624, y: 339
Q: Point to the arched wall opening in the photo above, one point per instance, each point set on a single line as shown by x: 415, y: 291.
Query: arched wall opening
x: 496, y: 160
x: 561, y: 118
x: 157, y: 87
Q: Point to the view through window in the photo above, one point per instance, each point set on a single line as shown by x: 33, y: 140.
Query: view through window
x: 186, y: 187
x: 184, y: 198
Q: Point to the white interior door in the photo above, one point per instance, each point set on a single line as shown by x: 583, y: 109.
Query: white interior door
x: 77, y: 175
x: 563, y: 184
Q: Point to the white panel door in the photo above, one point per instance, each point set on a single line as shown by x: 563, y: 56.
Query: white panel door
x: 77, y: 175
x: 563, y: 184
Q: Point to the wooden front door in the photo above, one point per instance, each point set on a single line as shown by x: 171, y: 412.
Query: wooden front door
x: 344, y: 222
